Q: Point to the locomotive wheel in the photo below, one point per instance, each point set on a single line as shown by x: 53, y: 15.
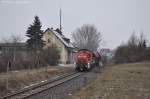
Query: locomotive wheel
x: 77, y: 69
x: 81, y: 69
x: 87, y: 69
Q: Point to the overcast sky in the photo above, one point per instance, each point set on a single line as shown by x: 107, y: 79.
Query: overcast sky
x: 115, y: 19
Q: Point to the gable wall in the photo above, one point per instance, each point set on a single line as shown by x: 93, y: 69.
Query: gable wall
x: 55, y: 42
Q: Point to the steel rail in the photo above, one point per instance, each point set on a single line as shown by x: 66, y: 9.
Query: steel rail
x: 59, y: 82
x: 38, y: 86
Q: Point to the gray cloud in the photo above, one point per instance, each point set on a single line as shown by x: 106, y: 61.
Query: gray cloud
x: 116, y: 19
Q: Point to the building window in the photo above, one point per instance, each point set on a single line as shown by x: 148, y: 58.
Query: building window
x: 49, y: 41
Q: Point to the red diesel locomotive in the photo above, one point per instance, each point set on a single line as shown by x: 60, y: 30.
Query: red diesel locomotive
x: 86, y: 59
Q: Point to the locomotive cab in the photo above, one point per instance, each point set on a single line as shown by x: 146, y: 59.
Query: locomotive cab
x: 84, y: 60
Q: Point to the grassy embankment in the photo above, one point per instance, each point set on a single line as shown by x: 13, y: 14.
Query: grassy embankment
x: 24, y: 78
x: 126, y: 81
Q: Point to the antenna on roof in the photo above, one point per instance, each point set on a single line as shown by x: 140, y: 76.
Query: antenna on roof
x: 60, y: 19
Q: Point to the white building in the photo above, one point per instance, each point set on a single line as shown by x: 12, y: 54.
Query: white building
x: 55, y: 38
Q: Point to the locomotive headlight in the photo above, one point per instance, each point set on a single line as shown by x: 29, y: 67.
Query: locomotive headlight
x: 88, y: 66
x: 74, y: 65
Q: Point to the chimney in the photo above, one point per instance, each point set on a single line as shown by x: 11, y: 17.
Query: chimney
x: 59, y: 31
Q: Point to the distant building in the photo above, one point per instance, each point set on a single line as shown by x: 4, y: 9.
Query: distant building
x: 107, y: 52
x: 55, y: 39
x: 12, y: 46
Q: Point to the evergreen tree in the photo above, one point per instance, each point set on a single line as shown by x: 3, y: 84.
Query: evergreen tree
x: 35, y: 34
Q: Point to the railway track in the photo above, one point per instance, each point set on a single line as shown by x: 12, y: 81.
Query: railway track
x: 39, y: 88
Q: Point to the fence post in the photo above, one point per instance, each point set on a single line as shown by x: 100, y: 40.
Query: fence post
x: 8, y: 66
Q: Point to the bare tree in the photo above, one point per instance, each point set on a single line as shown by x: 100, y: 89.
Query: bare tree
x: 134, y: 51
x: 142, y: 42
x: 10, y: 55
x: 10, y: 58
x: 12, y: 39
x: 87, y: 37
x: 133, y: 40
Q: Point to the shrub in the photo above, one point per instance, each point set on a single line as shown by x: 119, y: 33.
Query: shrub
x: 51, y: 56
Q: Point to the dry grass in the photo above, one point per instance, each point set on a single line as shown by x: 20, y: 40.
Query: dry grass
x: 20, y: 79
x: 127, y: 81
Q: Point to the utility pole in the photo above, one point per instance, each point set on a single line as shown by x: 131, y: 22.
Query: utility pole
x: 60, y: 20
